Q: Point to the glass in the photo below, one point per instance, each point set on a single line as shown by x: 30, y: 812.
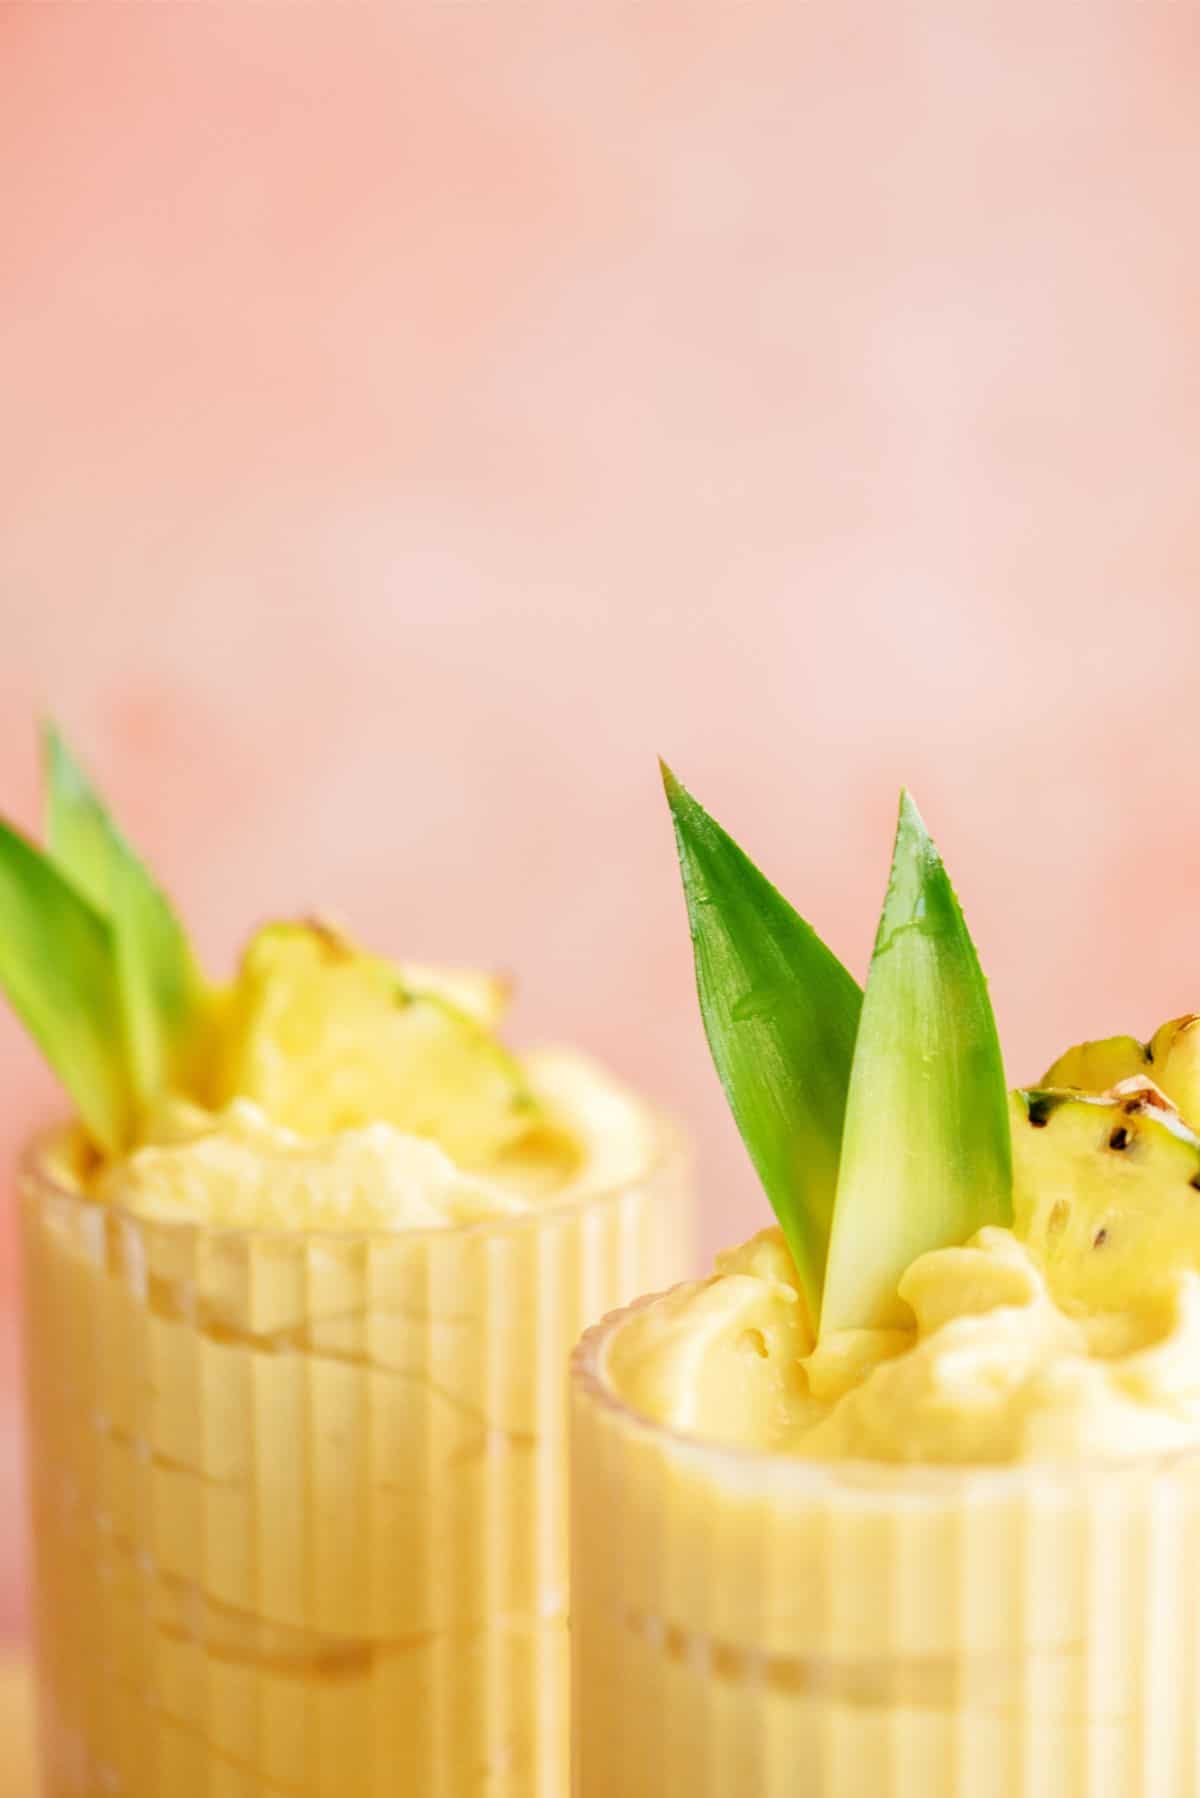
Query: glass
x: 753, y: 1624
x: 299, y: 1499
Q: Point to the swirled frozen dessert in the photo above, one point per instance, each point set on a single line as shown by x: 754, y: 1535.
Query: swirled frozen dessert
x: 1072, y: 1334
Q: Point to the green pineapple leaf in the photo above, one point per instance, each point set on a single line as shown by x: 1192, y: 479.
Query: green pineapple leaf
x: 58, y: 966
x: 927, y: 1150
x: 160, y: 986
x: 781, y: 1014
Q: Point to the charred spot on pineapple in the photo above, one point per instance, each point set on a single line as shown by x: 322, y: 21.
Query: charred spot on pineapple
x: 1040, y: 1107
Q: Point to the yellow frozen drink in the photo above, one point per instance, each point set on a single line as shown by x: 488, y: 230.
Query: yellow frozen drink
x: 951, y: 1562
x: 300, y: 1286
x: 904, y: 1501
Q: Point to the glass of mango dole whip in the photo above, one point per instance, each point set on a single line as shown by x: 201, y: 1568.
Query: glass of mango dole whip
x: 904, y: 1501
x: 301, y: 1282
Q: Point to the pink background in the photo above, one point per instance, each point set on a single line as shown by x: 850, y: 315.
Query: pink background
x: 411, y: 423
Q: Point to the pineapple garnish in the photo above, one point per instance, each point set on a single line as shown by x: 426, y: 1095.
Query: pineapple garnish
x: 484, y: 997
x: 164, y: 999
x: 926, y: 1153
x: 1095, y: 1067
x: 1171, y: 1059
x: 320, y: 1037
x: 781, y: 1015
x: 1107, y: 1190
x: 94, y: 959
x: 1108, y: 1165
x: 58, y: 965
x: 325, y: 1038
x: 879, y: 1126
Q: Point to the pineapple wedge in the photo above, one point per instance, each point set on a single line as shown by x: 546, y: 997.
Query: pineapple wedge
x: 1171, y: 1059
x: 1107, y: 1165
x: 483, y: 997
x: 1174, y: 1052
x: 324, y: 1038
x: 1096, y: 1067
x: 1106, y: 1191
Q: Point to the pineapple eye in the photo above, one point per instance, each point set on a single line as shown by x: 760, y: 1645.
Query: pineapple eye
x: 1100, y: 1238
x: 1120, y: 1138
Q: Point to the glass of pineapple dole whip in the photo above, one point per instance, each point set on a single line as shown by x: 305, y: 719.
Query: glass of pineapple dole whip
x: 301, y: 1283
x: 904, y: 1501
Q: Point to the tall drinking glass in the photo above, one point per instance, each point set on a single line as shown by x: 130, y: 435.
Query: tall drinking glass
x: 749, y: 1623
x: 299, y: 1498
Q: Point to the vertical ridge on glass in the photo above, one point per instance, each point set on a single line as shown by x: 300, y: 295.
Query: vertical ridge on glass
x: 299, y: 1500
x: 869, y: 1631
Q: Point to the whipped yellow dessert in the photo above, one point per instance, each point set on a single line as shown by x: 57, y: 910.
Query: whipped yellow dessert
x: 993, y: 1370
x: 300, y: 1286
x: 904, y: 1500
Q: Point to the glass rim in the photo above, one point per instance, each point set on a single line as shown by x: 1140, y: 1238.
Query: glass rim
x: 768, y: 1473
x: 672, y: 1150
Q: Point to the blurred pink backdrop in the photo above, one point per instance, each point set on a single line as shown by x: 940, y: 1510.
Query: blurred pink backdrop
x: 412, y: 421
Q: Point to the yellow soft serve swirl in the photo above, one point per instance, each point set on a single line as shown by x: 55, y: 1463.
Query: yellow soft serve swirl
x: 238, y: 1169
x: 994, y: 1370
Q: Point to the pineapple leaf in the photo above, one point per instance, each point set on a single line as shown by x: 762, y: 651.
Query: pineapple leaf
x: 160, y: 987
x: 927, y: 1151
x: 781, y: 1014
x: 58, y: 966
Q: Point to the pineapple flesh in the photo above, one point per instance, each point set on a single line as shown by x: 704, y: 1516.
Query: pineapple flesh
x: 1106, y: 1166
x: 1171, y: 1059
x: 325, y: 1039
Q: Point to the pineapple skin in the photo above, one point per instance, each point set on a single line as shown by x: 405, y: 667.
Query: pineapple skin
x: 1171, y: 1059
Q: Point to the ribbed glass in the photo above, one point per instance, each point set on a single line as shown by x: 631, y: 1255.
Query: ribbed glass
x: 299, y: 1499
x: 753, y: 1625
